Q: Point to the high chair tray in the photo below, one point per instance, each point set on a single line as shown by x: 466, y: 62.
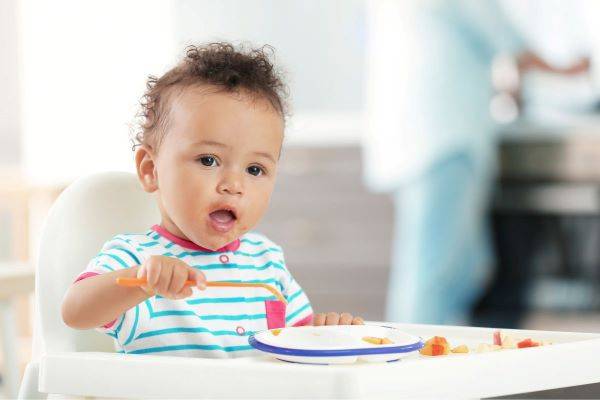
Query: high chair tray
x: 571, y: 360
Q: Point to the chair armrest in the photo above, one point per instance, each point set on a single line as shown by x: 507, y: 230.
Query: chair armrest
x: 29, y: 384
x: 145, y: 376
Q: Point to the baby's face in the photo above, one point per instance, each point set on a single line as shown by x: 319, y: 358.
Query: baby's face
x: 217, y: 164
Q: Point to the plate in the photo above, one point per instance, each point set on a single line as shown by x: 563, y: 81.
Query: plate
x: 335, y: 344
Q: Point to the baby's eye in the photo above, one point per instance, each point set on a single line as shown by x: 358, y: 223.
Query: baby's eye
x: 208, y: 161
x: 255, y: 170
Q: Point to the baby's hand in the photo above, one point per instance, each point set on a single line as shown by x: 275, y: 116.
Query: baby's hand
x: 336, y: 319
x: 166, y: 276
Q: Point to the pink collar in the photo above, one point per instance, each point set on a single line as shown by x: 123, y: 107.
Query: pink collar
x: 233, y: 246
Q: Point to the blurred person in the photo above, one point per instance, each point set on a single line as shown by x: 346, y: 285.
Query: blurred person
x: 430, y: 141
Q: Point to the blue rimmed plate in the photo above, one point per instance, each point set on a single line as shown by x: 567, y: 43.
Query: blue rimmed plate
x: 338, y: 344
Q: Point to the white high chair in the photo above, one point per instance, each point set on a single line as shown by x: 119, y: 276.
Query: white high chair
x: 86, y: 214
x: 69, y: 363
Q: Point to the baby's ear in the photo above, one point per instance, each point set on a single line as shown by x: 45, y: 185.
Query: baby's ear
x: 146, y: 169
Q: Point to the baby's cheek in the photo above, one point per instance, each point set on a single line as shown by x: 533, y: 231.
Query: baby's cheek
x: 243, y: 229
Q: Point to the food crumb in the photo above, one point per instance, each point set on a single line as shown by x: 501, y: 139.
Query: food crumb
x: 460, y: 349
x: 376, y: 340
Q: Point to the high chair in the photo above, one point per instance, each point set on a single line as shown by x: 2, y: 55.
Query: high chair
x: 70, y: 363
x: 87, y: 213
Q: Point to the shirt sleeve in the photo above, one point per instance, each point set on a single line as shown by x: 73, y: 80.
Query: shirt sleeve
x: 298, y: 310
x: 115, y: 255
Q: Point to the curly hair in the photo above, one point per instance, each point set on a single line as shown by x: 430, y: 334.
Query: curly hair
x: 216, y: 64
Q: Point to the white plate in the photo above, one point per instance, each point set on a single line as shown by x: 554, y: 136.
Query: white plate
x: 336, y: 344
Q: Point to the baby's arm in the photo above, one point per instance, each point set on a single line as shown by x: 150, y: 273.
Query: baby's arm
x: 98, y: 300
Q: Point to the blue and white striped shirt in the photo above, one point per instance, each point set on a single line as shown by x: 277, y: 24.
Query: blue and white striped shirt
x: 214, y: 322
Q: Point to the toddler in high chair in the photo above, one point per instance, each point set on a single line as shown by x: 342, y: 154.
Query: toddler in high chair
x: 208, y: 148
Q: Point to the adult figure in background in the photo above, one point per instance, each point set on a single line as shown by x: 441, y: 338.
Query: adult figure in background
x: 430, y: 141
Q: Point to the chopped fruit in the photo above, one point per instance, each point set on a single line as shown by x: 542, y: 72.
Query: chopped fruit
x: 527, y: 343
x: 438, y: 340
x: 498, y: 338
x: 460, y: 349
x: 276, y: 332
x: 509, y: 342
x: 486, y: 348
x: 438, y: 350
x: 436, y: 346
x: 372, y: 340
x: 376, y: 340
x: 504, y: 340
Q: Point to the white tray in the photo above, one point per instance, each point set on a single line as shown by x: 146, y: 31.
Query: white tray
x: 571, y: 361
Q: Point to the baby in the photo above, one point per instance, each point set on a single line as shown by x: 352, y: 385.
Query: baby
x: 208, y: 149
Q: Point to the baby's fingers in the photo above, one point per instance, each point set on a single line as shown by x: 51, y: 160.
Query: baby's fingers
x: 164, y: 280
x: 185, y: 292
x: 198, y: 277
x: 346, y: 318
x: 142, y: 273
x: 178, y: 279
x: 319, y: 319
x: 332, y: 318
x: 336, y: 319
x: 152, y: 268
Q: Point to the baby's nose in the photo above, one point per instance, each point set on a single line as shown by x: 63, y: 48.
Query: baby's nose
x: 232, y: 186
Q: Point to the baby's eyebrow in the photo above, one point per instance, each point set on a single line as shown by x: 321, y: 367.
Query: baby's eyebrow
x: 213, y: 143
x: 266, y: 155
x: 219, y: 144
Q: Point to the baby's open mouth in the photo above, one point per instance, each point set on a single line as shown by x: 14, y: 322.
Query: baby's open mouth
x: 223, y: 215
x: 222, y: 220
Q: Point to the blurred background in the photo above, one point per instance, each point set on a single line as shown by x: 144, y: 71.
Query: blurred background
x: 442, y: 163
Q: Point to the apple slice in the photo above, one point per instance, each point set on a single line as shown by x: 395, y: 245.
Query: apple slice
x: 527, y: 343
x: 498, y: 338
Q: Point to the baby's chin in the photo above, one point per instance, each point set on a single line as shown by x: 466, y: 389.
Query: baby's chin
x: 214, y: 242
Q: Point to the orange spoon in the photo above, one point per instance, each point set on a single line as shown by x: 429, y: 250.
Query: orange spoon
x: 139, y: 282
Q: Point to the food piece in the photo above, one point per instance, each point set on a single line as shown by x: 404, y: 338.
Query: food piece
x: 509, y: 342
x: 486, y: 348
x: 372, y: 340
x: 527, y: 343
x: 460, y: 349
x: 504, y: 340
x: 433, y: 350
x: 276, y: 332
x: 498, y: 338
x: 376, y: 340
x: 438, y: 340
x: 436, y: 346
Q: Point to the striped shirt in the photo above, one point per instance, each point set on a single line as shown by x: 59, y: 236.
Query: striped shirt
x: 214, y: 322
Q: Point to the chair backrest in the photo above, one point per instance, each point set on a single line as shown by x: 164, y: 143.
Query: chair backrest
x: 88, y: 213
